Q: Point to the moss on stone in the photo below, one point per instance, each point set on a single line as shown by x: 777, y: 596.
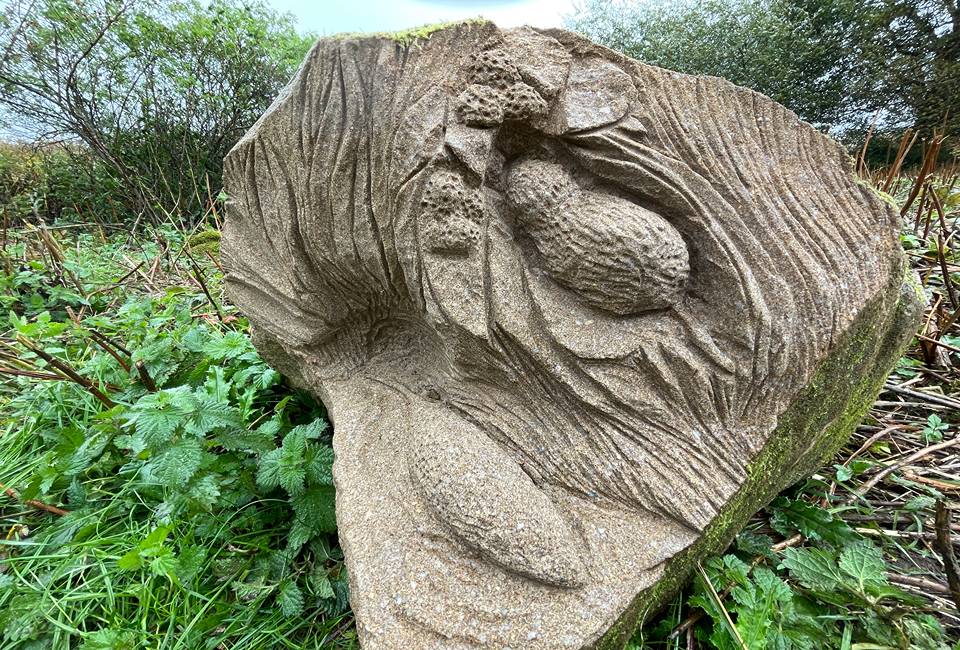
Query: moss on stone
x: 407, y: 37
x: 812, y: 429
x: 205, y: 241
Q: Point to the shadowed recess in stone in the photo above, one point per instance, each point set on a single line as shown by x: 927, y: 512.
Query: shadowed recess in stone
x: 563, y: 308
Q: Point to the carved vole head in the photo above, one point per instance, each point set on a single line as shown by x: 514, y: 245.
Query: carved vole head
x: 555, y: 301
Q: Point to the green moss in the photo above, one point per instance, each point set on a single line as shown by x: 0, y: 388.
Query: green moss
x: 811, y: 430
x: 205, y: 241
x: 886, y: 198
x: 409, y: 36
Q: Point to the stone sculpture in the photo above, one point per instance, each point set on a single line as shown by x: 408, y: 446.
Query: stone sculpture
x: 575, y: 318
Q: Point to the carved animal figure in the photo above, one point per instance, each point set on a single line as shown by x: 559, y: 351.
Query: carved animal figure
x: 616, y: 255
x: 574, y: 318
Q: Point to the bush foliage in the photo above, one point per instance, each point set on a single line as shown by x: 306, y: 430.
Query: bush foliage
x: 157, y: 92
x: 834, y: 62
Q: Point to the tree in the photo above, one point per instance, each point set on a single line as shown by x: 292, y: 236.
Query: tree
x: 834, y: 62
x: 159, y: 91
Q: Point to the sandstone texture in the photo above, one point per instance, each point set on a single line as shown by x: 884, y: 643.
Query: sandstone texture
x: 574, y: 318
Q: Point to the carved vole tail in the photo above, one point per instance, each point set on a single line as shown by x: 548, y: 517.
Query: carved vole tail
x: 489, y: 503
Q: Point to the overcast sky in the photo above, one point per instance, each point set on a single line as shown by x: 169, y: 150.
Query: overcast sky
x: 332, y: 16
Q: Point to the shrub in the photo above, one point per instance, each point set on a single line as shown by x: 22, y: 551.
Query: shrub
x: 157, y: 91
x: 45, y: 184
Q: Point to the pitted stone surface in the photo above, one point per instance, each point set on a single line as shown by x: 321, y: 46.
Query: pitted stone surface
x: 564, y: 310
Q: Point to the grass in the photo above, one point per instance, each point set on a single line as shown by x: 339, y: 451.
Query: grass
x: 156, y: 427
x: 166, y: 489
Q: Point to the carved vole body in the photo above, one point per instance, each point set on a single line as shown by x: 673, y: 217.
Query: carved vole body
x: 614, y: 254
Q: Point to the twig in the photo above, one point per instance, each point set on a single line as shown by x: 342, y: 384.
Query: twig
x: 879, y: 476
x: 120, y: 281
x: 929, y: 397
x: 920, y: 583
x: 943, y: 345
x: 945, y: 547
x: 68, y: 371
x: 33, y: 374
x: 203, y: 285
x: 145, y: 377
x: 33, y: 503
x: 101, y: 342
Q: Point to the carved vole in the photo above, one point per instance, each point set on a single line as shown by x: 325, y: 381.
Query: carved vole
x: 614, y: 254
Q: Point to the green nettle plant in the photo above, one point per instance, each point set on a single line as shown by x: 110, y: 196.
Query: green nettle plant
x: 195, y: 488
x: 832, y: 595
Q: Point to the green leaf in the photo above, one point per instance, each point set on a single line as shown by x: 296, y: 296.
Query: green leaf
x: 211, y: 412
x: 341, y: 596
x: 290, y: 598
x: 814, y: 568
x: 189, y: 563
x: 863, y: 562
x: 754, y: 544
x: 109, y: 639
x: 205, y: 491
x: 177, y: 465
x: 228, y: 346
x: 320, y: 465
x: 320, y: 583
x: 130, y: 561
x: 164, y: 563
x: 314, y: 508
x: 157, y: 416
x: 844, y: 473
x: 286, y: 466
x: 813, y: 522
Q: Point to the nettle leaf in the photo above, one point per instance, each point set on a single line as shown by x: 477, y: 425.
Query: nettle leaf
x: 813, y: 522
x: 205, y: 491
x: 290, y: 598
x: 109, y: 639
x: 228, y: 346
x: 196, y: 338
x: 156, y: 416
x: 814, y: 568
x: 210, y: 413
x: 259, y: 441
x: 189, y: 562
x: 758, y: 604
x: 754, y: 544
x: 320, y: 465
x: 287, y: 466
x: 313, y: 430
x: 268, y: 472
x: 315, y: 509
x: 320, y: 583
x: 728, y: 569
x: 341, y: 596
x: 864, y: 562
x: 176, y: 465
x: 298, y: 535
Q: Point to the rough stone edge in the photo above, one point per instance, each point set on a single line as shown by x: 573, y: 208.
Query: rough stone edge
x: 858, y: 366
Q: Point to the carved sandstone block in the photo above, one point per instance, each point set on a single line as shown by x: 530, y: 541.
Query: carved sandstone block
x: 575, y: 318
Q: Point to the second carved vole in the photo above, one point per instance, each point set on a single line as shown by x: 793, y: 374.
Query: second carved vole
x: 613, y: 253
